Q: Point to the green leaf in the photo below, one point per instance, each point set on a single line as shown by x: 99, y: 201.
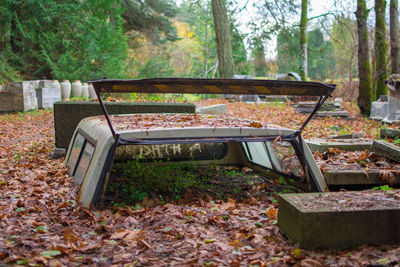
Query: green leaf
x: 41, y: 229
x: 209, y: 241
x: 22, y: 262
x: 383, y: 261
x: 20, y: 209
x: 50, y: 253
x: 259, y: 225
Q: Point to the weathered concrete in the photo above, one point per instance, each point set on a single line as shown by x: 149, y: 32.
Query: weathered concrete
x: 357, y: 177
x: 347, y: 136
x: 19, y: 96
x: 274, y: 98
x: 349, y: 144
x: 326, y: 228
x: 386, y: 149
x: 339, y: 113
x: 214, y: 109
x: 67, y: 115
x: 378, y: 110
x: 48, y: 92
x: 389, y: 133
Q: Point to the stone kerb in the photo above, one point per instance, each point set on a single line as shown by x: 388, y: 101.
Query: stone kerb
x: 67, y: 115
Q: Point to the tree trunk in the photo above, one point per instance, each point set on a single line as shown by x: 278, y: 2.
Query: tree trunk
x: 223, y: 36
x: 380, y: 48
x: 303, y: 40
x: 394, y: 35
x: 364, y: 67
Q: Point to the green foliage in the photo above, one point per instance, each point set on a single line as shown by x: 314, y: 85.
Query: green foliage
x: 382, y: 188
x: 258, y: 55
x: 321, y: 59
x: 344, y: 42
x: 198, y: 15
x: 156, y: 67
x: 64, y: 40
x: 166, y: 181
x: 396, y: 141
x: 151, y: 18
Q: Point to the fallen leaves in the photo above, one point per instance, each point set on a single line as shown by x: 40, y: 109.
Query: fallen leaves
x: 41, y: 222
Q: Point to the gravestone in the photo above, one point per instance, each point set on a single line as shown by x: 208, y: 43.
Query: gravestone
x: 393, y: 114
x: 388, y: 110
x: 48, y: 92
x: 19, y: 96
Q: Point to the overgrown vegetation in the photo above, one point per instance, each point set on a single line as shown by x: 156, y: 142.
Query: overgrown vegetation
x: 134, y: 181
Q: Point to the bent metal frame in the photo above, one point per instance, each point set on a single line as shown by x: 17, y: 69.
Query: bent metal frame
x: 216, y: 86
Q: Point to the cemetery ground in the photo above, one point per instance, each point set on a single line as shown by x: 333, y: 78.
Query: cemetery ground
x: 42, y: 223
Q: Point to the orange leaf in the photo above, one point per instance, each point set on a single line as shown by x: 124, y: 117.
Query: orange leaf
x: 271, y: 213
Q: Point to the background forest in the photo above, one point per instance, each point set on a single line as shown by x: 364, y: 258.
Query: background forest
x: 161, y: 38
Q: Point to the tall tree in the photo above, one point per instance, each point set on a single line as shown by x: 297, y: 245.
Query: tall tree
x: 303, y: 40
x: 344, y: 39
x: 394, y: 35
x: 151, y: 18
x: 223, y: 36
x: 258, y: 54
x: 380, y: 48
x: 321, y: 59
x: 364, y: 67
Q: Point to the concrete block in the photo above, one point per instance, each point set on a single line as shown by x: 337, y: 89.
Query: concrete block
x: 386, y: 149
x: 48, y: 96
x: 19, y: 96
x: 67, y: 115
x: 339, y: 224
x: 214, y: 109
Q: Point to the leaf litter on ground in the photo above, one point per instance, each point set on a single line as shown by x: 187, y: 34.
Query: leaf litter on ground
x: 52, y: 229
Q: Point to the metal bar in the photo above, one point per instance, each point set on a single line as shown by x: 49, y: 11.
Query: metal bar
x: 303, y: 161
x: 108, y: 172
x: 321, y: 101
x: 214, y: 86
x: 103, y: 107
x: 222, y: 139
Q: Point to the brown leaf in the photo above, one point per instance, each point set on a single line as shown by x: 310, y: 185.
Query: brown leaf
x: 310, y: 263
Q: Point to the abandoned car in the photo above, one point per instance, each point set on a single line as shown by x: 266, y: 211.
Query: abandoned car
x: 101, y: 141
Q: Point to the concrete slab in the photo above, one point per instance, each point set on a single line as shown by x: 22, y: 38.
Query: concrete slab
x: 311, y: 220
x: 357, y: 177
x: 386, y: 149
x: 345, y: 144
x: 214, y: 109
x: 338, y: 113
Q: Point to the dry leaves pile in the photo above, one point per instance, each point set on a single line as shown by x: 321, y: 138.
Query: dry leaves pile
x: 41, y: 222
x: 337, y: 159
x: 286, y: 116
x: 150, y: 121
